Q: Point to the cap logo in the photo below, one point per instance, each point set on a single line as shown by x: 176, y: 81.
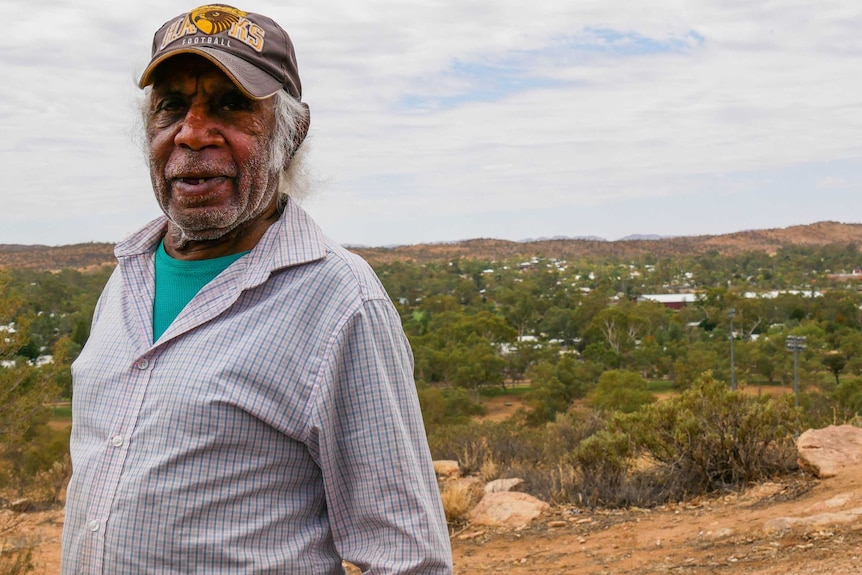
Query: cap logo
x: 212, y: 19
x: 215, y: 19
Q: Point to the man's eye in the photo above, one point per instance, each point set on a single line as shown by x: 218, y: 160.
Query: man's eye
x: 169, y: 105
x: 235, y: 103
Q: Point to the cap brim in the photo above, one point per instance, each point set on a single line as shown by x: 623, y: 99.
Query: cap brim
x: 254, y: 82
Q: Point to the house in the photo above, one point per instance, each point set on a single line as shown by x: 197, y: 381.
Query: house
x: 670, y: 300
x: 856, y: 274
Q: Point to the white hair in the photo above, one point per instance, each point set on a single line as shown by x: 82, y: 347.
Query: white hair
x: 291, y: 124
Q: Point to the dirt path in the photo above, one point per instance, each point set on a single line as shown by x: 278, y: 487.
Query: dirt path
x: 747, y: 533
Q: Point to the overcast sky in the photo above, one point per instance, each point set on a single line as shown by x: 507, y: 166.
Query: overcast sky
x: 446, y: 120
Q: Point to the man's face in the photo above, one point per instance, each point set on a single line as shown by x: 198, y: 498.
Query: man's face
x: 208, y: 150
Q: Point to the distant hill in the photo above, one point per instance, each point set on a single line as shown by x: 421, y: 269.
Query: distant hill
x: 769, y: 241
x: 90, y: 255
x: 76, y: 256
x: 643, y: 237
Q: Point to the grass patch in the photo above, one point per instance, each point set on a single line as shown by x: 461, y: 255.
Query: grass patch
x: 659, y: 385
x: 62, y: 412
x: 508, y: 391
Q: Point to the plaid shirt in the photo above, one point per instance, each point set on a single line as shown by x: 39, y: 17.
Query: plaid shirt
x: 273, y: 428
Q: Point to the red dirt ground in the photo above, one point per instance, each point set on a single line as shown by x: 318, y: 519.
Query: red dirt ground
x: 705, y: 536
x: 724, y: 535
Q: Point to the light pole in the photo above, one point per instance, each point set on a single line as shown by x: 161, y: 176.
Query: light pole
x: 730, y: 313
x: 796, y: 343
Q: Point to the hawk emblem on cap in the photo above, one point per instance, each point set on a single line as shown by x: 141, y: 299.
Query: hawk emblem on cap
x: 215, y: 18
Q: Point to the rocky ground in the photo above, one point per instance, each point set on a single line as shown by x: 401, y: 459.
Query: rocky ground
x: 793, y: 526
x: 810, y: 523
x: 797, y: 526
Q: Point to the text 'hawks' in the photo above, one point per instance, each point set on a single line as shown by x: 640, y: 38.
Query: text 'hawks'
x: 243, y: 30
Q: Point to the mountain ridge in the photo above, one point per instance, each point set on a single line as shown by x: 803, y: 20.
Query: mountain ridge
x: 92, y: 255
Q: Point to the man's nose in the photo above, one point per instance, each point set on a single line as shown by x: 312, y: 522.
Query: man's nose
x: 198, y: 130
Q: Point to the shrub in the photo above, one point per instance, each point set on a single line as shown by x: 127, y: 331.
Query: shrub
x: 554, y: 384
x: 37, y: 465
x: 706, y: 439
x: 459, y: 497
x: 709, y: 438
x: 474, y: 444
x: 604, y: 460
x: 542, y: 456
x: 447, y: 406
x: 847, y: 397
x: 619, y: 390
x: 16, y: 559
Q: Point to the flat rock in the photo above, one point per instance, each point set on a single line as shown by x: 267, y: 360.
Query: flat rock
x: 507, y: 509
x: 500, y: 485
x: 830, y: 451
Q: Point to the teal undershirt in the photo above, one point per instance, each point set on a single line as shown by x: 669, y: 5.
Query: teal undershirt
x: 177, y: 282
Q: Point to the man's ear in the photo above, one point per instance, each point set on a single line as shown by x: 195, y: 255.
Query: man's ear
x: 301, y: 130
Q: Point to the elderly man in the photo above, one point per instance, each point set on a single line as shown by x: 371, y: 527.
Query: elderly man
x: 245, y: 402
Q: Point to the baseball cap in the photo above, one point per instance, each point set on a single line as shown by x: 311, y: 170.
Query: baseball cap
x: 254, y: 51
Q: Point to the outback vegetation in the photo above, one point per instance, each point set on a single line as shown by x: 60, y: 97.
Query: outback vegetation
x: 626, y: 402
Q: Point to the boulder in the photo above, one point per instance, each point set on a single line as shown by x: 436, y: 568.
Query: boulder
x: 507, y: 509
x: 447, y: 469
x: 500, y: 485
x: 830, y: 451
x: 469, y: 483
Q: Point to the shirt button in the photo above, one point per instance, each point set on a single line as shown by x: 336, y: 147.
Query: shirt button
x: 93, y: 525
x: 142, y: 364
x: 117, y: 440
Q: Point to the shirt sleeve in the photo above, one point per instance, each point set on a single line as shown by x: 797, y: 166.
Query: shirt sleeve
x: 382, y: 496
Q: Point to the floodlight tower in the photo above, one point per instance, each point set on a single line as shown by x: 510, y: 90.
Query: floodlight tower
x: 796, y: 343
x: 730, y: 313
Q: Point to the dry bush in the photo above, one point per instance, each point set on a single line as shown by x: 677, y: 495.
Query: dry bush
x: 459, y: 497
x: 704, y: 440
x: 489, y: 470
x: 16, y: 557
x: 542, y: 457
x: 16, y: 561
x: 48, y: 485
x: 475, y: 443
x: 559, y: 483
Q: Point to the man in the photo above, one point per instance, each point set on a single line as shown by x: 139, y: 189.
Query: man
x: 245, y: 402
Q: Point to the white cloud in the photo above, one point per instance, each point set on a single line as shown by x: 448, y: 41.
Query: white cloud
x: 436, y: 120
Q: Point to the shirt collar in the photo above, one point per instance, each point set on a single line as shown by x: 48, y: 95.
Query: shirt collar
x: 294, y: 239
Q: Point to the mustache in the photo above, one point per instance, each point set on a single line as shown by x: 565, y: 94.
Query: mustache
x: 193, y: 164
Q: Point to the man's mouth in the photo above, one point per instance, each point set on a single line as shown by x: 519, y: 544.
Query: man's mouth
x: 196, y: 181
x: 197, y: 189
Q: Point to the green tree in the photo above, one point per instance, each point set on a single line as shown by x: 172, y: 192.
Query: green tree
x: 25, y: 394
x: 618, y: 390
x: 688, y: 369
x: 768, y: 358
x: 554, y: 384
x: 835, y: 361
x: 850, y: 345
x: 848, y: 397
